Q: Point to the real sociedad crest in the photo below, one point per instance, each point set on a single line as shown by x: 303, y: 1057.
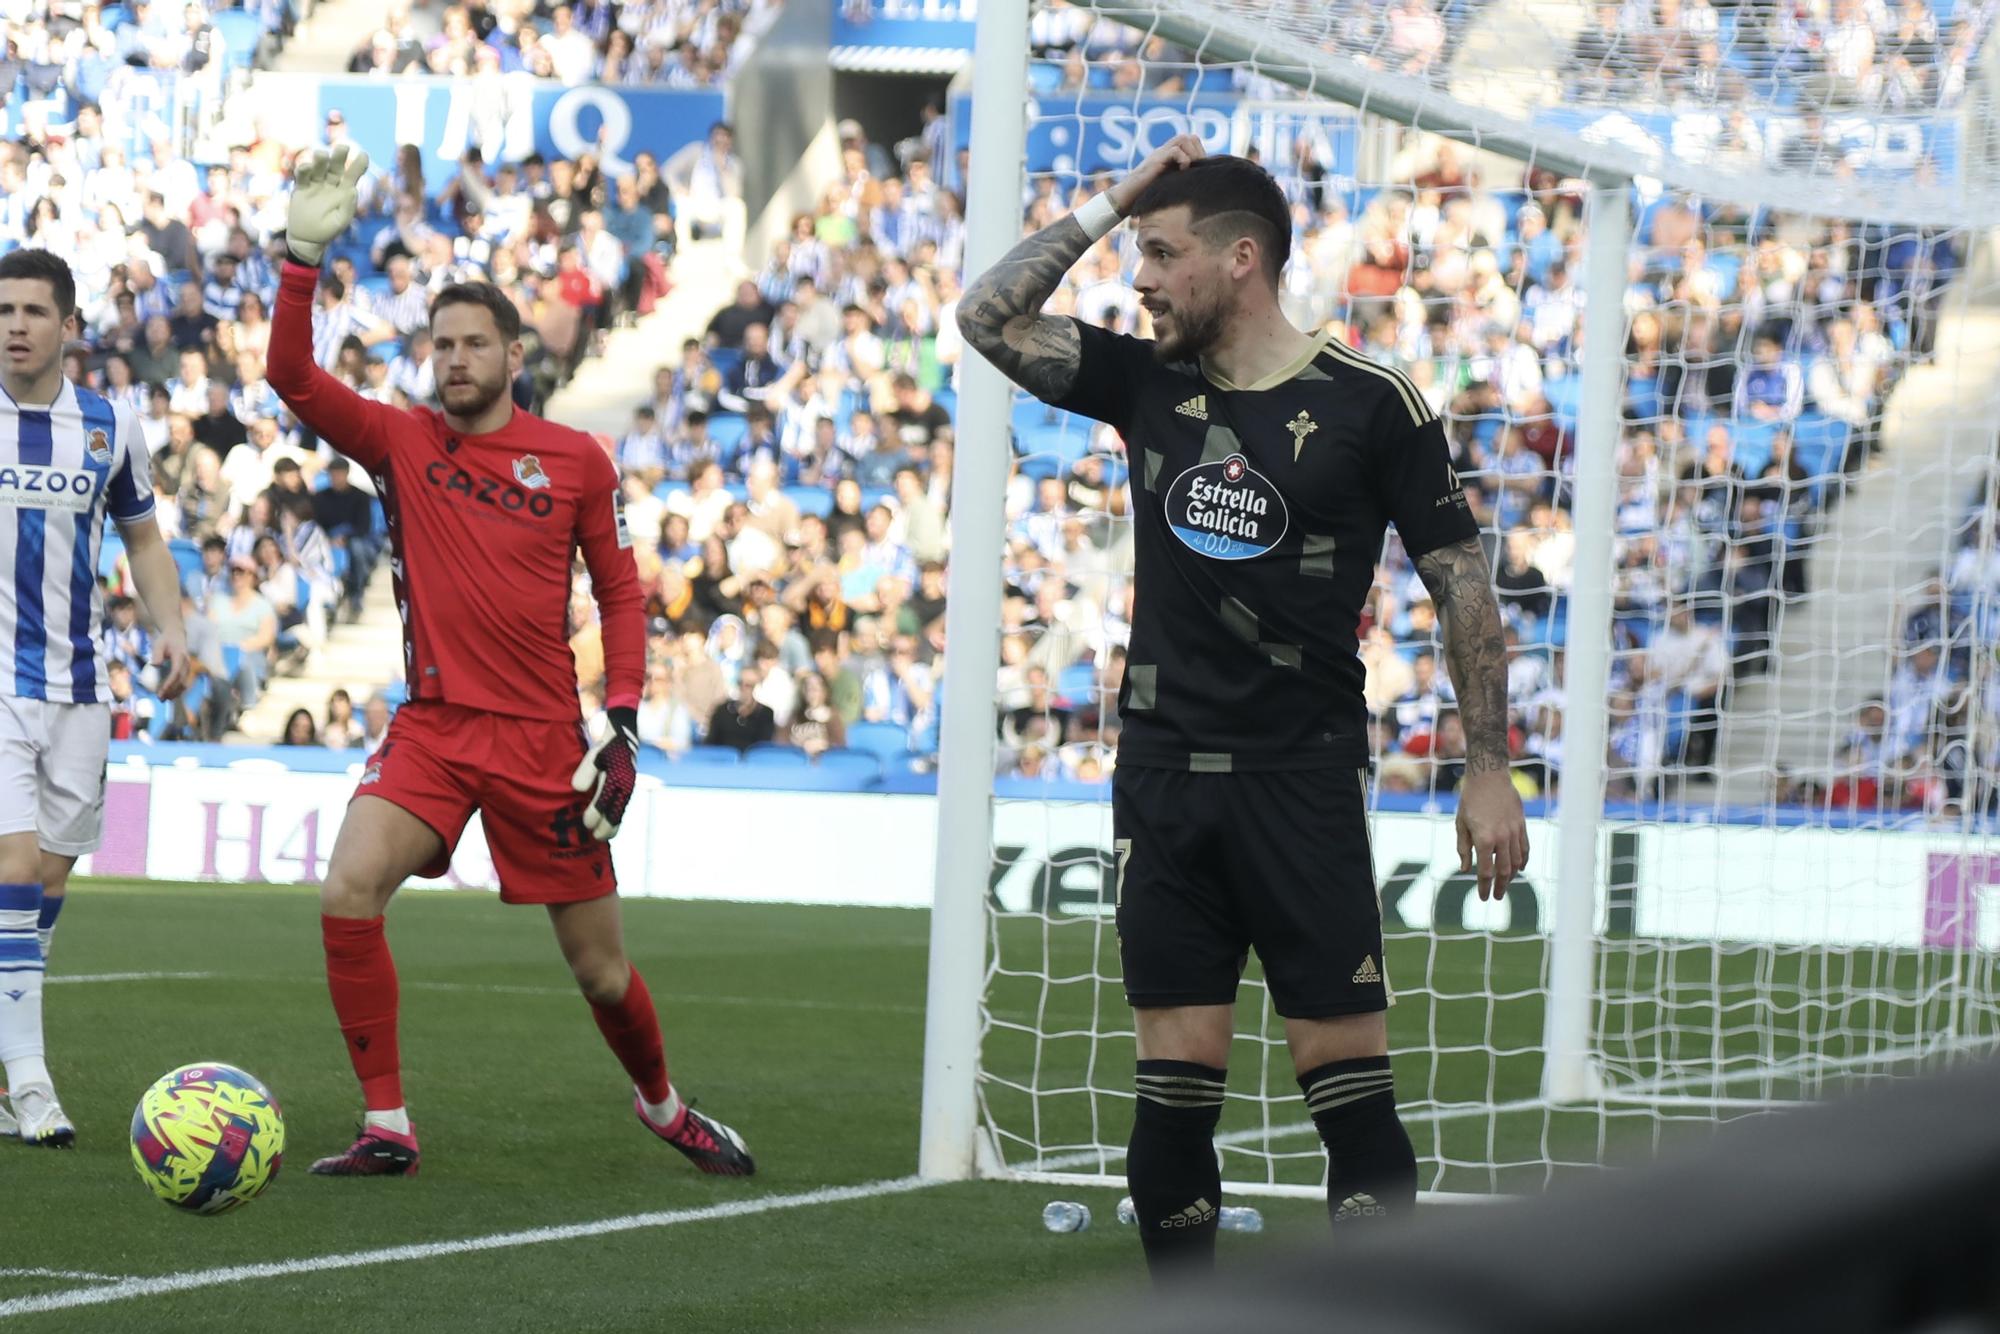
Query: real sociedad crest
x: 1226, y: 510
x: 98, y: 447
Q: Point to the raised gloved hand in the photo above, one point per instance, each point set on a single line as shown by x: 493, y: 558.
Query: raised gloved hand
x: 323, y: 199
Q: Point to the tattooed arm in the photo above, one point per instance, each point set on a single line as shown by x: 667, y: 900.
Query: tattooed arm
x: 1000, y: 313
x: 1475, y: 648
x: 1492, y: 830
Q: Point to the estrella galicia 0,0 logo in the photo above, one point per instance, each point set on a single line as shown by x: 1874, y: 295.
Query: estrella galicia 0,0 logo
x: 1226, y: 510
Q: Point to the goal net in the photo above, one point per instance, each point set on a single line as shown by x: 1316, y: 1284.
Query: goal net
x: 1782, y: 606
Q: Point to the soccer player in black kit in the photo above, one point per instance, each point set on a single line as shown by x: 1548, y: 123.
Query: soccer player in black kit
x: 1265, y: 465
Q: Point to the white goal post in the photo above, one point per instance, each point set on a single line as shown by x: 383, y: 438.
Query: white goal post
x: 1700, y: 944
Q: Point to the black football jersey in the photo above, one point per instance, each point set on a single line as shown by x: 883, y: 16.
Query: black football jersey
x: 1259, y: 512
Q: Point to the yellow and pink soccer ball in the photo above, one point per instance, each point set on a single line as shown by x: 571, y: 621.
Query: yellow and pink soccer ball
x: 207, y: 1138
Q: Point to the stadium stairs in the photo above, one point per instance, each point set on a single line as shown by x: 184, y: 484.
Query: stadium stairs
x: 327, y: 39
x: 1894, y: 530
x: 360, y: 657
x: 601, y: 395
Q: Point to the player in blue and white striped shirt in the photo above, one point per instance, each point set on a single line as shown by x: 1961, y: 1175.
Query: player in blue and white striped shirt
x: 68, y: 458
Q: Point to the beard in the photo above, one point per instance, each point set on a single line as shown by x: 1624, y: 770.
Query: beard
x: 1196, y: 327
x: 473, y: 398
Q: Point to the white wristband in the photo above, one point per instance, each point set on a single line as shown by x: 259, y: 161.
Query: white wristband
x: 1097, y: 216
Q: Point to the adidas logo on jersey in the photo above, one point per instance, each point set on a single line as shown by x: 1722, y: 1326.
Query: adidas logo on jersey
x: 1196, y: 407
x: 1201, y: 1211
x: 1367, y: 972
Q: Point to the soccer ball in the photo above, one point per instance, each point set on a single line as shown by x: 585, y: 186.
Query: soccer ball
x: 207, y: 1138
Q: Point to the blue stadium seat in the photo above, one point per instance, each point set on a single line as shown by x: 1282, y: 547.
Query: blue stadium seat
x: 711, y: 755
x: 846, y: 760
x: 1755, y: 442
x: 1031, y: 414
x: 108, y: 553
x: 811, y: 499
x: 396, y: 694
x: 1051, y: 451
x: 241, y: 33
x: 877, y: 495
x: 883, y: 740
x: 1819, y: 442
x: 1077, y: 684
x: 115, y: 16
x: 727, y: 430
x: 725, y: 359
x: 774, y: 755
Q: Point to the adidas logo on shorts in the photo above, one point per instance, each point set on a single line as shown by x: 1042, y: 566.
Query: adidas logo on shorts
x: 1201, y: 1211
x: 1196, y: 407
x: 1360, y: 1206
x: 1367, y: 972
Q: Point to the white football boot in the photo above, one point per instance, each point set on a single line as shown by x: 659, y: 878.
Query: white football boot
x: 9, y: 1127
x: 41, y: 1118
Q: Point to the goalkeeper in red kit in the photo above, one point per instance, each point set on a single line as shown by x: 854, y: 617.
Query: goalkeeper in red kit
x: 486, y: 507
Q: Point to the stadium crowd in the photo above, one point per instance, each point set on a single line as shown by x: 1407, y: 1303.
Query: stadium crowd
x: 788, y: 478
x: 663, y: 43
x: 1884, y: 56
x: 176, y: 265
x: 797, y: 461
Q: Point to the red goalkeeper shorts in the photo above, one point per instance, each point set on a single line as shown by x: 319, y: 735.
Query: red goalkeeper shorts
x: 441, y: 762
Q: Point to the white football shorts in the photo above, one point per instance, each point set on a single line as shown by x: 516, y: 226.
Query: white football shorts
x: 52, y: 760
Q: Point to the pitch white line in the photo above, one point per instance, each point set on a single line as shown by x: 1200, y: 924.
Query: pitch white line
x: 63, y: 1273
x: 126, y: 1289
x: 77, y: 979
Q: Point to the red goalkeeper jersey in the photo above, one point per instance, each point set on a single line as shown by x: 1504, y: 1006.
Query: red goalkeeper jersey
x: 483, y: 530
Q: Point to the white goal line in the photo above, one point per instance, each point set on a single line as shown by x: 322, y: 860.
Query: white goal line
x: 118, y: 1290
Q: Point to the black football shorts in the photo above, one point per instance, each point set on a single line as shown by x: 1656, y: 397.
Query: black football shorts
x: 1213, y: 865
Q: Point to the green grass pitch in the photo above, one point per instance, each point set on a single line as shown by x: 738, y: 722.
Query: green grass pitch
x: 803, y: 1027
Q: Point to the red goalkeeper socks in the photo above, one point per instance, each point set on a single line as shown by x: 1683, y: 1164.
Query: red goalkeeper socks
x: 361, y: 975
x: 633, y: 1032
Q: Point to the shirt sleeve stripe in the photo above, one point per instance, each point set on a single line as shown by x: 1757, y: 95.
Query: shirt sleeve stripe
x: 1414, y: 402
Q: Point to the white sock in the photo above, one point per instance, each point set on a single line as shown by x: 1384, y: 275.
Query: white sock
x: 47, y: 935
x: 397, y: 1120
x: 21, y: 1049
x: 662, y: 1113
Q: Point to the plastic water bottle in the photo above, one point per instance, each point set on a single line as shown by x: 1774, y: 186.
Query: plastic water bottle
x: 1234, y: 1218
x: 1240, y: 1218
x: 1065, y: 1216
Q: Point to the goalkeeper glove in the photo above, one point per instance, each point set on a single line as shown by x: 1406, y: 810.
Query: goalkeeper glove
x: 323, y: 199
x: 608, y: 773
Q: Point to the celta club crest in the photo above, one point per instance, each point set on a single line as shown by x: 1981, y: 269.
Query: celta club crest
x: 1300, y: 426
x: 1234, y: 468
x: 528, y: 472
x: 99, y: 445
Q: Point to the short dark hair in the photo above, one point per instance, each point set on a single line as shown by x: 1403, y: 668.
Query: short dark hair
x: 504, y: 313
x: 40, y: 264
x: 1226, y: 198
